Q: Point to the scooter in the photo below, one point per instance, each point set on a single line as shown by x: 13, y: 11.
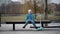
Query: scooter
x: 41, y: 28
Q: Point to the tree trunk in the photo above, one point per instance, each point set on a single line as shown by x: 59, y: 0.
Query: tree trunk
x: 35, y: 8
x: 46, y: 8
x: 0, y: 20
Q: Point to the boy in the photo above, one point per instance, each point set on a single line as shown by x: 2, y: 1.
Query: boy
x: 30, y: 17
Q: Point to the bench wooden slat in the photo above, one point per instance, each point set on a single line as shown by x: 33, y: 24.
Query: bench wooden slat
x: 23, y: 21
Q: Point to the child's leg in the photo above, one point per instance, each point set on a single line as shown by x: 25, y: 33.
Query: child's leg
x: 25, y: 24
x: 34, y: 24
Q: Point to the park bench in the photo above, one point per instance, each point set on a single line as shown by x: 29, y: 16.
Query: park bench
x: 23, y: 22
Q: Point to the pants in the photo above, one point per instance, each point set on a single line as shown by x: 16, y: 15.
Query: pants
x: 32, y: 21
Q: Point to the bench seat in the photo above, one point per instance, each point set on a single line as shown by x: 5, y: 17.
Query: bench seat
x: 23, y: 21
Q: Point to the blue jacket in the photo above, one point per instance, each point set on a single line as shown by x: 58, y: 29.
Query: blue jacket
x: 30, y: 16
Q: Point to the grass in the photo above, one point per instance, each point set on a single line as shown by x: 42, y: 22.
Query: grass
x: 11, y: 18
x: 22, y: 17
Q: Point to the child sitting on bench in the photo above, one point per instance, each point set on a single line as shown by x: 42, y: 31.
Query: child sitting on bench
x: 30, y: 17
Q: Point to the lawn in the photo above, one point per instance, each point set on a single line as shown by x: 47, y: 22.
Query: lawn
x: 22, y: 17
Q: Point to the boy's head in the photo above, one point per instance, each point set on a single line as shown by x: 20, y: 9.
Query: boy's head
x: 29, y: 11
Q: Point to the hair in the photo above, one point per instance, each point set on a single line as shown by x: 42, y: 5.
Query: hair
x: 29, y: 10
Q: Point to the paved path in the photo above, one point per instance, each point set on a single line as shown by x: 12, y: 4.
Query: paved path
x: 7, y: 29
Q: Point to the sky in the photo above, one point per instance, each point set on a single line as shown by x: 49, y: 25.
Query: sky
x: 50, y: 1
x: 22, y: 1
x: 15, y: 0
x: 54, y: 1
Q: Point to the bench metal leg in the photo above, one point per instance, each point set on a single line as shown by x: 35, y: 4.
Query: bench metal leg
x: 0, y: 24
x: 13, y: 27
x: 46, y: 25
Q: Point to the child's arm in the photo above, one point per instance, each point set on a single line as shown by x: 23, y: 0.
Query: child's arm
x: 33, y: 17
x: 26, y: 17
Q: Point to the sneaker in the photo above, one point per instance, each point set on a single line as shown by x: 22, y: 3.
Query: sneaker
x: 23, y: 27
x: 36, y: 28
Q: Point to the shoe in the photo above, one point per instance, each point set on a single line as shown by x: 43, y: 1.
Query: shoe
x: 23, y: 27
x: 36, y: 27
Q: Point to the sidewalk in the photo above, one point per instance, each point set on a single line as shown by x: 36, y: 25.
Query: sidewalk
x: 7, y: 29
x: 19, y: 26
